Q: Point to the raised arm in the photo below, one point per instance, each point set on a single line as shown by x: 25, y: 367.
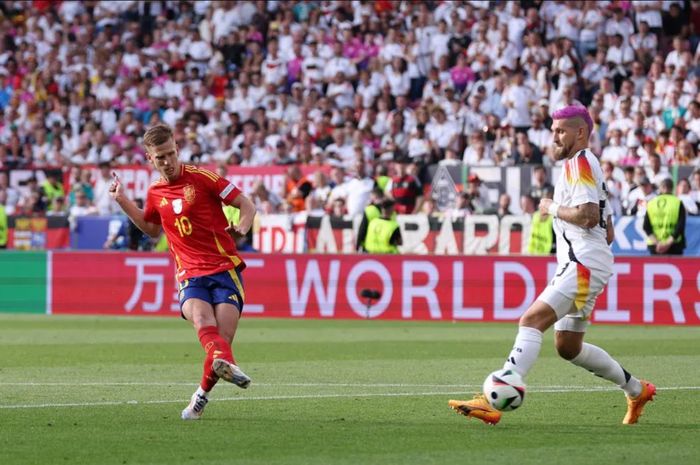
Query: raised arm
x: 132, y: 211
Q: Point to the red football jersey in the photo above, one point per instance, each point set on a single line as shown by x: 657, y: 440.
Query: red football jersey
x: 190, y: 212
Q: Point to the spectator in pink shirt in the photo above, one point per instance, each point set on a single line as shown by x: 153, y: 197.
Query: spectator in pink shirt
x: 461, y: 74
x: 294, y: 66
x: 631, y: 158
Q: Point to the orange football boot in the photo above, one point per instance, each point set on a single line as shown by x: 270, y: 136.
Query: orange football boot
x: 478, y: 408
x: 636, y: 405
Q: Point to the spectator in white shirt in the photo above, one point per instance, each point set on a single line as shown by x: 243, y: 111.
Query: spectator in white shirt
x: 199, y: 51
x: 480, y: 46
x: 619, y: 24
x: 312, y: 67
x: 519, y: 99
x: 130, y: 58
x: 173, y: 113
x: 644, y: 43
x: 420, y: 146
x: 638, y: 77
x: 173, y: 86
x: 441, y: 132
x: 204, y: 100
x: 358, y: 189
x: 256, y: 91
x: 675, y: 56
x: 476, y: 150
x: 397, y: 77
x: 692, y: 117
x: 338, y: 63
x: 262, y: 155
x: 438, y: 42
x: 627, y: 94
x: 655, y: 172
x: 562, y: 70
x: 614, y: 150
x: 274, y: 69
x: 368, y: 90
x: 683, y: 193
x: 516, y: 25
x: 240, y: 102
x: 623, y: 121
x: 369, y: 120
x: 534, y: 51
x: 591, y: 24
x: 694, y: 185
x: 107, y: 89
x: 538, y: 134
x: 390, y: 49
x: 340, y: 91
x: 638, y: 198
x: 648, y: 11
x: 594, y: 70
x: 505, y: 55
x: 619, y: 55
x: 567, y: 22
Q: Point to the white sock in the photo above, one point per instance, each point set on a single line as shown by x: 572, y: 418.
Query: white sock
x: 600, y: 363
x: 201, y: 392
x: 525, y: 350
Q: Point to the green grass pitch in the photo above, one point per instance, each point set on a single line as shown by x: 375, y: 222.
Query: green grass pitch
x: 91, y: 390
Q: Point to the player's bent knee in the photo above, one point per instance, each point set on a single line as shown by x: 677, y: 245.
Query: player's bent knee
x: 568, y: 352
x: 568, y: 345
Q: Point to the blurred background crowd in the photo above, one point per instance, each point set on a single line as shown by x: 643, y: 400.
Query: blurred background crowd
x: 364, y: 94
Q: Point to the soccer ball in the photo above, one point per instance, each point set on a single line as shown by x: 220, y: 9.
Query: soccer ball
x: 504, y: 390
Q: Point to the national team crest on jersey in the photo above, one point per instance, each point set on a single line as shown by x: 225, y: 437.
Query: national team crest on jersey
x: 177, y: 206
x: 189, y: 193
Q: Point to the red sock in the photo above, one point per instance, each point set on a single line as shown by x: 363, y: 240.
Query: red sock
x: 216, y: 347
x: 209, y: 378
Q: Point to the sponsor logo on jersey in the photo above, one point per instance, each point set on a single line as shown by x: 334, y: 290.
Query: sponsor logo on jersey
x: 163, y: 202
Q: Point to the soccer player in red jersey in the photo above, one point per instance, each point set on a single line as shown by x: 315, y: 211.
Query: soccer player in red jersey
x: 186, y: 202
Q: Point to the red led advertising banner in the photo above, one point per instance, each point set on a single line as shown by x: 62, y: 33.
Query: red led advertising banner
x: 459, y: 288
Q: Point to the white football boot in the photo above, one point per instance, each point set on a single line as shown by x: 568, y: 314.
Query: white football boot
x: 195, y: 410
x: 231, y: 373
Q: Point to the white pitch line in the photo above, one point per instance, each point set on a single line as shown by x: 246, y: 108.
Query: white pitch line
x: 306, y: 396
x: 318, y: 396
x: 532, y: 388
x: 179, y: 383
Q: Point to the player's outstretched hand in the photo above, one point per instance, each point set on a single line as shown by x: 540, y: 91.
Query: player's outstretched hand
x: 115, y: 189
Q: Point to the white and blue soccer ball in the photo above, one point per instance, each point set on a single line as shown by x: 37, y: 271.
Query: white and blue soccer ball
x: 504, y: 390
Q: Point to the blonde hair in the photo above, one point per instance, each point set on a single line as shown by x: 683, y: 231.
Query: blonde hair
x: 157, y: 135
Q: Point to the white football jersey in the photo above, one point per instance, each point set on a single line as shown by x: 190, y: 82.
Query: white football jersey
x: 581, y: 181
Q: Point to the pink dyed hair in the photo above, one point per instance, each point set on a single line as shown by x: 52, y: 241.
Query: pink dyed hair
x: 575, y: 111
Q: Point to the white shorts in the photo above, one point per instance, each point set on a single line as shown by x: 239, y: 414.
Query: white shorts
x: 572, y: 294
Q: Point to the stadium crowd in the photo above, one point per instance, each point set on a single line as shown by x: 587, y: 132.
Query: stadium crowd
x: 367, y: 92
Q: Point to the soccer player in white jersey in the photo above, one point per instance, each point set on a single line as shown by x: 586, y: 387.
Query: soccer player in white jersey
x: 584, y: 230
